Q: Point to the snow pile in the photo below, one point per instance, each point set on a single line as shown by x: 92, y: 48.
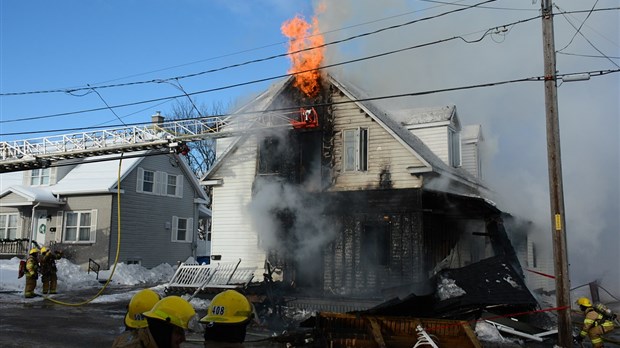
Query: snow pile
x: 136, y: 274
x: 489, y: 333
x: 447, y: 288
x: 71, y: 276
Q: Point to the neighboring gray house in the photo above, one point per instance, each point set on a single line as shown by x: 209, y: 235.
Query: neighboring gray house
x: 76, y: 208
x: 370, y: 202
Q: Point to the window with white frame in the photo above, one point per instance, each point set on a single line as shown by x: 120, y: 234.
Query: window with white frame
x: 159, y: 183
x: 355, y: 150
x: 40, y: 176
x: 454, y: 140
x: 8, y: 226
x: 80, y: 226
x: 171, y: 185
x: 182, y: 229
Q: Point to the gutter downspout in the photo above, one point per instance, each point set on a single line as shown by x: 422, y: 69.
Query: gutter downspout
x: 32, y: 230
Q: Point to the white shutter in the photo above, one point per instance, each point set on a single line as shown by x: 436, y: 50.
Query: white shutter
x: 93, y: 225
x: 53, y: 171
x: 179, y: 189
x: 140, y: 180
x: 26, y: 178
x: 161, y: 180
x: 189, y: 235
x: 175, y: 228
x: 59, y: 217
x: 19, y: 233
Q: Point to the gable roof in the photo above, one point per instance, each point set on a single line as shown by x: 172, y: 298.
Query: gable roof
x: 99, y: 174
x: 393, y: 123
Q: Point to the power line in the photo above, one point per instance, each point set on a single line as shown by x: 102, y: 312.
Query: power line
x: 251, y: 61
x: 276, y: 77
x: 579, y: 29
x: 594, y: 73
x: 487, y: 7
x: 270, y: 45
x: 588, y: 55
x: 585, y: 38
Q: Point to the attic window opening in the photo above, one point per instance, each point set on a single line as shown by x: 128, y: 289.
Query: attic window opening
x: 355, y: 150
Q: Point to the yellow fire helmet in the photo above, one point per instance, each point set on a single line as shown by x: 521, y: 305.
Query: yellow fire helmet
x: 173, y: 309
x: 34, y: 250
x: 43, y: 250
x: 142, y: 301
x: 584, y: 301
x: 229, y: 307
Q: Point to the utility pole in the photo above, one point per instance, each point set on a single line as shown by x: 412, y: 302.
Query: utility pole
x: 562, y: 287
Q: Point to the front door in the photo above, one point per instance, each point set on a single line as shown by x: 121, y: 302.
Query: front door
x: 41, y: 227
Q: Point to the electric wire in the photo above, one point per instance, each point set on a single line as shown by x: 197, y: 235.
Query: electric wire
x: 262, y: 80
x: 270, y: 45
x: 595, y: 73
x: 486, y: 7
x: 584, y: 37
x: 73, y: 90
x: 588, y: 55
x: 578, y: 31
x: 383, y: 54
x: 108, y: 106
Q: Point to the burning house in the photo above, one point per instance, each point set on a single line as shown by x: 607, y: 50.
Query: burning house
x: 352, y: 201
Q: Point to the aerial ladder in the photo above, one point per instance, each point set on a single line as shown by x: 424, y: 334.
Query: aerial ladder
x: 161, y: 136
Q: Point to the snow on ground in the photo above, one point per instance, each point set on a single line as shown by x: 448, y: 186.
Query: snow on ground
x: 71, y: 277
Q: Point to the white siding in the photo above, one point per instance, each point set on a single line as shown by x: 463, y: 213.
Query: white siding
x: 470, y: 162
x: 436, y: 138
x: 233, y: 236
x: 384, y: 151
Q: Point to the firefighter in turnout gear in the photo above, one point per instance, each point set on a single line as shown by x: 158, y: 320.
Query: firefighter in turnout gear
x: 594, y: 324
x: 166, y: 325
x: 48, y: 269
x: 32, y: 272
x: 227, y: 318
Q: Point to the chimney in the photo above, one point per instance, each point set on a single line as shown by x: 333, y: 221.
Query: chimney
x: 157, y: 118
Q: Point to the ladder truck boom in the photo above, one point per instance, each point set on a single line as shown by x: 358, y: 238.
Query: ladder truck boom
x: 164, y: 136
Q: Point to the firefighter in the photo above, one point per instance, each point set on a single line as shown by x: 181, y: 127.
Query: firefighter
x: 166, y: 325
x: 48, y: 269
x: 227, y: 318
x: 32, y: 272
x: 142, y: 301
x: 594, y: 324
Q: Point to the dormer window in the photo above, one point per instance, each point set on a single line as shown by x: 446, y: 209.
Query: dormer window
x: 40, y: 176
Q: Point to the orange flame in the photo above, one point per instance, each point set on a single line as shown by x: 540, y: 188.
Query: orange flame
x: 303, y: 35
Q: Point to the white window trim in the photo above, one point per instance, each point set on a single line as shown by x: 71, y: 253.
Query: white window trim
x: 454, y: 148
x: 160, y: 183
x: 189, y: 235
x: 40, y: 177
x: 358, y: 165
x: 93, y: 227
x: 6, y: 227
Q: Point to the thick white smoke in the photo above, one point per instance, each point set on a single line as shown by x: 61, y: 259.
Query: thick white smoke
x: 513, y: 115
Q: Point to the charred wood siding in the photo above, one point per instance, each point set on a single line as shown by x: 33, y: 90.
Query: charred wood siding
x: 350, y: 267
x: 384, y: 152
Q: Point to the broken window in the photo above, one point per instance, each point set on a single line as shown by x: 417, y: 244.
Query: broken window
x: 376, y: 244
x: 355, y: 152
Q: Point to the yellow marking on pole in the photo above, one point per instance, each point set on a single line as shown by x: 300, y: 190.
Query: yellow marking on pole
x: 558, y: 222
